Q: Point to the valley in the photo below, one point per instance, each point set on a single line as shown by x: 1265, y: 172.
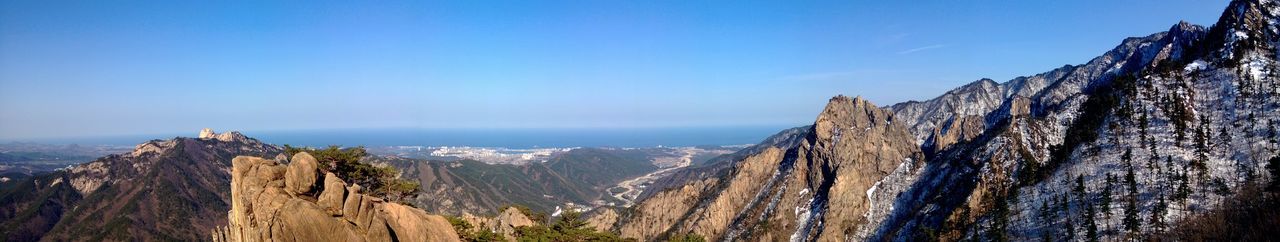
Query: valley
x: 628, y: 190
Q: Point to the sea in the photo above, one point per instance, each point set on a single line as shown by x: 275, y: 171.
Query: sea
x: 506, y: 138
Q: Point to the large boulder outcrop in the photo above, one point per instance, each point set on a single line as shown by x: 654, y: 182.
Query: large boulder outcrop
x: 510, y: 219
x: 276, y: 202
x: 334, y: 192
x: 301, y: 175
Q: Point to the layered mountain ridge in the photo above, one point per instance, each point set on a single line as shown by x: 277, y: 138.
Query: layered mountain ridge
x: 163, y: 190
x: 1123, y: 146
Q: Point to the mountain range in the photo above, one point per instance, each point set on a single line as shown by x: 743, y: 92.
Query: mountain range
x: 1164, y: 134
x: 1157, y: 130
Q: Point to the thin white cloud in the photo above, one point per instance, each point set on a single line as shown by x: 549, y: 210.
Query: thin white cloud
x: 891, y: 39
x: 924, y: 48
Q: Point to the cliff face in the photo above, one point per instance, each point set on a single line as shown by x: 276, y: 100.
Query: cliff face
x: 296, y: 202
x: 820, y: 188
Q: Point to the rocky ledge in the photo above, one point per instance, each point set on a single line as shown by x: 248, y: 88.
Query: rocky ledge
x: 271, y: 201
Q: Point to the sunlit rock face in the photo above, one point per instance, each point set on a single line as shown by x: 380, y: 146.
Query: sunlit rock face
x: 820, y: 188
x: 283, y: 202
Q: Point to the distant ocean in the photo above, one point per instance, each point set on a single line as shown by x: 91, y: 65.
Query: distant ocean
x: 509, y: 138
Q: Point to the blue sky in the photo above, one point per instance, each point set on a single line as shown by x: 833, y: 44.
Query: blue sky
x: 71, y: 68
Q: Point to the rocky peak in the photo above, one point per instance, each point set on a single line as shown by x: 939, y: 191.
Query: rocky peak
x: 1248, y: 14
x: 153, y: 146
x: 847, y: 114
x: 981, y: 85
x: 278, y: 202
x: 1245, y: 25
x: 232, y: 136
x: 1184, y: 33
x: 206, y: 133
x: 1183, y: 28
x: 854, y: 145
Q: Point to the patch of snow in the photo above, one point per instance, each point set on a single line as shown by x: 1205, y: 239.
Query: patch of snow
x: 1241, y: 35
x: 870, y: 199
x: 1257, y: 68
x: 802, y: 218
x: 1195, y: 66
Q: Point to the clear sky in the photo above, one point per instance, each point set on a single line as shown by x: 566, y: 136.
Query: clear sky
x: 83, y: 68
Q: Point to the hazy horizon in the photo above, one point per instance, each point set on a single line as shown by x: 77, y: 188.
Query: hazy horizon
x: 503, y: 137
x: 109, y: 68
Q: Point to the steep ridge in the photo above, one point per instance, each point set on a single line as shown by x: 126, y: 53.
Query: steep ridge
x: 1157, y: 129
x: 1186, y: 101
x: 1026, y: 128
x: 816, y: 189
x: 296, y: 202
x: 717, y: 166
x: 162, y: 190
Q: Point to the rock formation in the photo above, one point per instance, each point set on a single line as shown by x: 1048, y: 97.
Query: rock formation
x: 504, y: 224
x: 232, y: 136
x: 603, y: 219
x: 206, y: 133
x: 278, y: 202
x: 819, y: 188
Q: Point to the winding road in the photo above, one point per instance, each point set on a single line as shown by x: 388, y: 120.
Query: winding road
x: 632, y: 186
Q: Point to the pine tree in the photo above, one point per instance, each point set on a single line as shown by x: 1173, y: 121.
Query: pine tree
x: 1157, y: 215
x: 1046, y: 219
x: 1062, y: 205
x: 1000, y: 221
x: 1184, y: 190
x: 1273, y: 167
x: 1079, y: 189
x: 1071, y: 229
x: 1271, y: 132
x: 1224, y: 138
x: 1202, y: 146
x: 1091, y: 227
x: 1129, y: 178
x: 1105, y: 204
x: 1142, y: 127
x: 1131, y: 222
x: 1150, y: 142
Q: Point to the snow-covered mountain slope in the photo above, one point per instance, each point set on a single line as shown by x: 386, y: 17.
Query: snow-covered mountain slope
x: 1190, y: 113
x: 1159, y: 128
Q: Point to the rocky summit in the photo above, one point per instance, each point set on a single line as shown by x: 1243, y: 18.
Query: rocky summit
x: 296, y: 201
